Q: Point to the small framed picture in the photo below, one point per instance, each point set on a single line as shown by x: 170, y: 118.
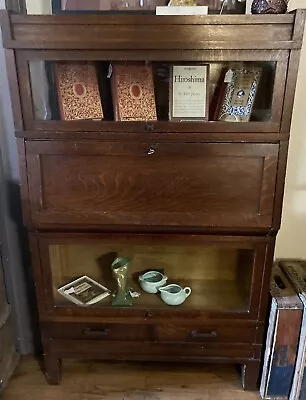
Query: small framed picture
x: 84, y: 291
x: 188, y: 97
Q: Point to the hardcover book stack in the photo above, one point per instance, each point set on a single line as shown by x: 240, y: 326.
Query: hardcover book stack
x: 144, y: 91
x: 282, y: 338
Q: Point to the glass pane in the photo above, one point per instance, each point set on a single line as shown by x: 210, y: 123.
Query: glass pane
x: 220, y: 279
x: 60, y: 6
x: 112, y: 91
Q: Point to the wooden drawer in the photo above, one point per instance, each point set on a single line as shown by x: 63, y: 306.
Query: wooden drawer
x: 205, y: 333
x: 165, y: 184
x: 114, y: 332
x: 152, y: 350
x: 154, y: 332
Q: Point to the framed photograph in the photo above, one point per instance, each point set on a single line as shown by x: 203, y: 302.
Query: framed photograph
x: 84, y: 291
x: 237, y: 94
x: 188, y: 96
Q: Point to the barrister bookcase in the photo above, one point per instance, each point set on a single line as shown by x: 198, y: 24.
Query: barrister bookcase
x: 204, y: 206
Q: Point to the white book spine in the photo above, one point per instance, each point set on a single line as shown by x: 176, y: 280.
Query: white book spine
x: 182, y: 10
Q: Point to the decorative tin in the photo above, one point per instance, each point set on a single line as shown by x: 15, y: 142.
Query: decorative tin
x: 237, y: 94
x: 269, y: 6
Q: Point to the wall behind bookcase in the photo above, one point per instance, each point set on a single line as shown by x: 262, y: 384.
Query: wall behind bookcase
x: 12, y: 236
x: 291, y: 240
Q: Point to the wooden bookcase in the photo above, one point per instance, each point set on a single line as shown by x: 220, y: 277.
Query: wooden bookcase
x: 205, y: 207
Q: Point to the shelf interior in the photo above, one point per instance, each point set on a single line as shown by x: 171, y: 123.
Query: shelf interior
x: 220, y: 278
x: 47, y: 103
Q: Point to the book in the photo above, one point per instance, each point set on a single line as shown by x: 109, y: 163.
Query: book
x: 282, y: 337
x: 133, y: 92
x: 188, y: 93
x: 296, y: 272
x: 182, y: 3
x: 182, y: 10
x: 248, y: 5
x: 78, y: 91
x: 237, y: 94
x: 84, y: 291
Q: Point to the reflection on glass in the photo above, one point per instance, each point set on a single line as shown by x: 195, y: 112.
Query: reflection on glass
x: 220, y: 279
x: 94, y: 6
x: 40, y: 90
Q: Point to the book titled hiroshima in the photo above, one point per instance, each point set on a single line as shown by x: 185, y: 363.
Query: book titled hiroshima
x: 78, y: 91
x: 133, y: 92
x: 188, y: 93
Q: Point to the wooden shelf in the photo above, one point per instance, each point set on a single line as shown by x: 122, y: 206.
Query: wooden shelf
x: 206, y: 295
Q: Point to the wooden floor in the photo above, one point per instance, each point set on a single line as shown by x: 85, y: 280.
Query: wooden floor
x: 128, y: 381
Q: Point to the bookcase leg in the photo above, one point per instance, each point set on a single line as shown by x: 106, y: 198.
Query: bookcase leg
x: 53, y: 369
x: 250, y: 375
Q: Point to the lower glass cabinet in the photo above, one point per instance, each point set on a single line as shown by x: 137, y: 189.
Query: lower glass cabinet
x: 158, y: 272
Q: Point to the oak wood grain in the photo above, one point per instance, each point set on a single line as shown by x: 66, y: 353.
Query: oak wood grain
x: 200, y: 184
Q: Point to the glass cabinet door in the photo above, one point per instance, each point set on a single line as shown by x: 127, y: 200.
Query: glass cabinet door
x: 150, y: 95
x: 200, y: 276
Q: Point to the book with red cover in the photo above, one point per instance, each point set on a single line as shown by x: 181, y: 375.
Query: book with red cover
x: 133, y: 92
x: 78, y: 90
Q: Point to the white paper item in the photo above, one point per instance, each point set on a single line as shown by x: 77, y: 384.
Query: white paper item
x: 182, y: 10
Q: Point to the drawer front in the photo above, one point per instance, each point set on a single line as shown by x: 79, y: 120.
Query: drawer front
x: 152, y: 351
x: 154, y: 332
x: 114, y: 332
x: 206, y: 333
x: 178, y: 184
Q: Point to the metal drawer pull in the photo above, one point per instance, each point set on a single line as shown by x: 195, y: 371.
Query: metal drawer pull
x: 93, y: 332
x: 197, y: 335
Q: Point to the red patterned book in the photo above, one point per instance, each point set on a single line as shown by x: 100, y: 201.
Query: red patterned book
x: 133, y: 92
x: 78, y: 90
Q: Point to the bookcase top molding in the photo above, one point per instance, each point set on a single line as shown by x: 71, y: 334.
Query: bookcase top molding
x: 150, y: 32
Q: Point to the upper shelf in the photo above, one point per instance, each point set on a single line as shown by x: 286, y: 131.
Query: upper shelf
x: 150, y: 32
